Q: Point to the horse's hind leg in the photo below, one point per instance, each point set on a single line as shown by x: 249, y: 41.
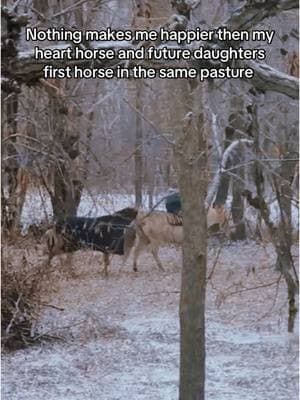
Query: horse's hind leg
x: 137, y: 250
x: 154, y: 252
x: 106, y: 263
x: 70, y: 269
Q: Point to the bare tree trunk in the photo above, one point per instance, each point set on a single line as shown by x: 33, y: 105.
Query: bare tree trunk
x: 68, y: 183
x: 41, y: 6
x: 88, y: 144
x: 150, y: 181
x: 223, y: 188
x: 138, y: 155
x: 280, y: 235
x: 16, y: 177
x: 237, y: 207
x: 68, y: 187
x: 191, y: 160
x: 142, y: 13
x: 67, y: 193
x: 235, y: 124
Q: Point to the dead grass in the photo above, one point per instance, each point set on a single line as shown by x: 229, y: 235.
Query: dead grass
x: 121, y: 333
x: 25, y: 281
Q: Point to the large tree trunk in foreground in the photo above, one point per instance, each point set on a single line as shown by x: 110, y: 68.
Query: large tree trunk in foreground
x: 191, y: 159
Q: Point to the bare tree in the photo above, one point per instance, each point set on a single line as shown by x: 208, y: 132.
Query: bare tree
x: 280, y: 233
x: 138, y: 153
x: 15, y: 176
x: 191, y: 160
x: 66, y: 193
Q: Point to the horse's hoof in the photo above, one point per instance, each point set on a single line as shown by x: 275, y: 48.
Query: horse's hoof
x: 104, y: 274
x: 135, y: 269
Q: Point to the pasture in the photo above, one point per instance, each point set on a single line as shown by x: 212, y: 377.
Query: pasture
x: 118, y: 337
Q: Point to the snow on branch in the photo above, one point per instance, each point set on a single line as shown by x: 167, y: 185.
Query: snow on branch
x: 228, y: 154
x: 255, y: 11
x: 230, y: 149
x: 24, y: 68
x: 267, y: 78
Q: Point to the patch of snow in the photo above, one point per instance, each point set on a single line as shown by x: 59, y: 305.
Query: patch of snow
x: 122, y: 339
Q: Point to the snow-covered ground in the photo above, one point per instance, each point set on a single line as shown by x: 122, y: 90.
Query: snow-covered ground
x: 120, y: 335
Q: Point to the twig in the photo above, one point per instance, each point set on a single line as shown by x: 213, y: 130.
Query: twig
x: 162, y: 292
x: 58, y: 328
x: 17, y: 310
x: 215, y: 263
x: 52, y: 306
x: 70, y: 8
x: 273, y: 302
x: 247, y: 289
x: 15, y: 5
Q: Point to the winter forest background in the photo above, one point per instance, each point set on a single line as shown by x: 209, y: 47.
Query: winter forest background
x: 91, y: 147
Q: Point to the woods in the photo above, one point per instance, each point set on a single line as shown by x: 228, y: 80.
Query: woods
x: 89, y: 147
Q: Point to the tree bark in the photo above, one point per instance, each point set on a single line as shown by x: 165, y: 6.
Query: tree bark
x: 223, y: 188
x: 191, y: 161
x: 236, y: 124
x: 66, y: 194
x: 138, y: 155
x: 237, y: 210
x: 16, y: 177
x: 279, y: 234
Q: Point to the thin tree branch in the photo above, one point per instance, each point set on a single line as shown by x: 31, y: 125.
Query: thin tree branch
x: 254, y: 12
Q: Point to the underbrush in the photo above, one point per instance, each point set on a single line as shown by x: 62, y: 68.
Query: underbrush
x: 25, y: 281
